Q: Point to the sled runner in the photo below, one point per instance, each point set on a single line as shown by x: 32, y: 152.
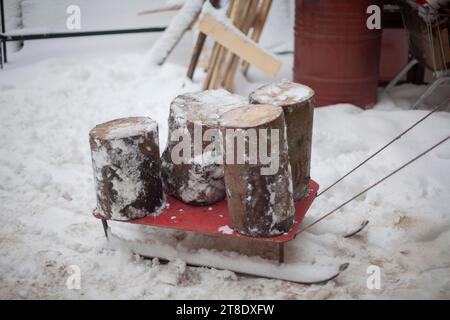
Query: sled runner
x: 214, y: 221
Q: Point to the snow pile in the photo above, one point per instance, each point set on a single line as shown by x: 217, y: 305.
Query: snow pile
x: 47, y: 108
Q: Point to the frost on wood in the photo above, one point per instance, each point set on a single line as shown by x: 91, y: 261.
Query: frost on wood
x: 198, y: 181
x: 174, y: 32
x: 297, y: 102
x: 127, y: 165
x: 259, y: 205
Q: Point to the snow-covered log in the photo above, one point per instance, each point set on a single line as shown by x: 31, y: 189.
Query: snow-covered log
x: 297, y: 102
x: 197, y: 178
x: 175, y: 31
x: 127, y: 166
x: 260, y: 202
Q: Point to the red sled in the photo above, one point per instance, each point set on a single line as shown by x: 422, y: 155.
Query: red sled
x: 215, y: 220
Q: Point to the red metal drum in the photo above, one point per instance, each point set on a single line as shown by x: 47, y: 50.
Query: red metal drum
x: 335, y: 53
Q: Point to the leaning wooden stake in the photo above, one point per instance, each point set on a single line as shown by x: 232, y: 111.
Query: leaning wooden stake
x: 126, y: 162
x: 192, y: 173
x: 219, y: 52
x: 243, y: 22
x: 198, y: 48
x: 258, y: 27
x: 259, y: 192
x: 297, y: 102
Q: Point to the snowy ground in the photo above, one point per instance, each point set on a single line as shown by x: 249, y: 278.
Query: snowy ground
x: 52, y: 93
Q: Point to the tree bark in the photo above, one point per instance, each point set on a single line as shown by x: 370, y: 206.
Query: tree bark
x: 260, y: 205
x: 198, y: 179
x: 127, y: 166
x: 298, y: 103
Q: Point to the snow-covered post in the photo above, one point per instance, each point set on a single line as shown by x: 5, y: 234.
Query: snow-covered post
x: 192, y: 169
x: 260, y: 201
x: 127, y: 165
x: 297, y: 102
x: 175, y: 31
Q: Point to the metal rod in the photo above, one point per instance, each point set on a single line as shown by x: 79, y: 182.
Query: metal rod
x: 2, y: 13
x: 105, y: 227
x: 436, y: 83
x: 400, y: 75
x: 384, y: 147
x: 40, y: 36
x: 374, y: 185
x: 1, y: 56
x: 281, y: 252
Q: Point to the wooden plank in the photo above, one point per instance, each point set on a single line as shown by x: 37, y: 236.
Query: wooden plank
x: 239, y: 45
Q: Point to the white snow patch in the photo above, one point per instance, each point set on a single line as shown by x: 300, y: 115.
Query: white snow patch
x: 225, y: 230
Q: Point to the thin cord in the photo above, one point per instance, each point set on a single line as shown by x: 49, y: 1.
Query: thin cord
x: 374, y: 185
x: 384, y: 147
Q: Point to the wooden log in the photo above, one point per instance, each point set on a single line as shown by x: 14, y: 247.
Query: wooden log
x: 127, y: 165
x: 196, y: 179
x: 260, y: 202
x: 298, y: 103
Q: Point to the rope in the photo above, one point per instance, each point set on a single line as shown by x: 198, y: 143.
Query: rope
x: 386, y: 146
x: 374, y: 185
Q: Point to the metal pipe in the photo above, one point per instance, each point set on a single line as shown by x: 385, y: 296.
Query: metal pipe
x: 40, y: 36
x: 2, y: 13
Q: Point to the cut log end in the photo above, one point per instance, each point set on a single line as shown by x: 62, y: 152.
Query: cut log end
x: 297, y: 102
x: 282, y: 94
x: 126, y: 163
x: 124, y: 128
x: 204, y: 108
x: 250, y: 116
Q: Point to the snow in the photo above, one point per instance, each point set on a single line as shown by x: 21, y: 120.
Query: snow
x: 205, y: 107
x: 139, y: 126
x: 282, y: 93
x: 226, y: 230
x: 53, y: 92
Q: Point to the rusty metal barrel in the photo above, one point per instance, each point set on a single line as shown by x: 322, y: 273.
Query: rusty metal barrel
x: 335, y: 52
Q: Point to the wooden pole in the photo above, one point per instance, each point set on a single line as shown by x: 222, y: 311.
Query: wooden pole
x: 258, y: 27
x: 198, y: 48
x: 246, y: 20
